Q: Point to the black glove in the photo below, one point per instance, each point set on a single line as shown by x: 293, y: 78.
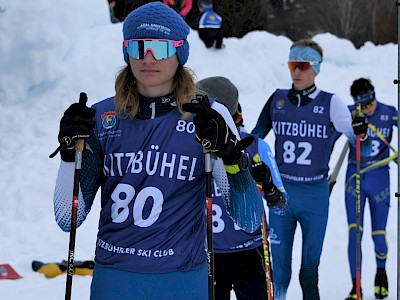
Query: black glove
x: 213, y: 133
x: 77, y: 123
x: 262, y: 174
x: 359, y: 124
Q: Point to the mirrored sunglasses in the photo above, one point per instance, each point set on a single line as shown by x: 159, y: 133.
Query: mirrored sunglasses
x: 302, y: 65
x: 368, y: 105
x: 159, y: 48
x: 366, y: 97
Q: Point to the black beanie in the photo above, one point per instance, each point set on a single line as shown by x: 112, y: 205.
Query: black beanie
x: 222, y: 89
x: 362, y: 91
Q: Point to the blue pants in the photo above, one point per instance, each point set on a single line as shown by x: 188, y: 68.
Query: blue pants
x: 113, y: 284
x: 375, y: 186
x: 308, y: 206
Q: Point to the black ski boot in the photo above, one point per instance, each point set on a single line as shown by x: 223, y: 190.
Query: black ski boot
x: 353, y: 292
x: 381, y: 284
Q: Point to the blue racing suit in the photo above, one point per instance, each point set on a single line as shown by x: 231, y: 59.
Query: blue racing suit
x: 374, y: 186
x: 304, y: 125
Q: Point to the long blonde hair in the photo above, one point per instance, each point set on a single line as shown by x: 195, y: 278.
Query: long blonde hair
x: 127, y: 95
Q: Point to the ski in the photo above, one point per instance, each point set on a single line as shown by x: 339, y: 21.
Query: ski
x: 53, y: 269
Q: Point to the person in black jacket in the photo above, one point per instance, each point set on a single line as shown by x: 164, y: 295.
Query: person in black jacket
x: 210, y: 26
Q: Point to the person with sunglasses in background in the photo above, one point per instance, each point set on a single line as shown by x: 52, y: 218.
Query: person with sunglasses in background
x: 375, y: 183
x: 144, y: 149
x: 303, y: 119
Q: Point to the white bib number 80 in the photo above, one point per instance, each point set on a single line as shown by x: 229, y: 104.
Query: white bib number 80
x: 125, y: 193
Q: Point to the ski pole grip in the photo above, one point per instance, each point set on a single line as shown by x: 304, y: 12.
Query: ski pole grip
x: 80, y: 143
x: 83, y: 98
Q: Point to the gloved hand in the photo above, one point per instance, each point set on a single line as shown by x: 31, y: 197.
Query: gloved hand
x: 276, y: 200
x: 359, y: 124
x: 213, y: 133
x: 262, y: 174
x: 77, y: 123
x: 281, y: 206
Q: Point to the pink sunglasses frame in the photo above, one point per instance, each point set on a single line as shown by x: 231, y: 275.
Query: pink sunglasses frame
x: 174, y: 43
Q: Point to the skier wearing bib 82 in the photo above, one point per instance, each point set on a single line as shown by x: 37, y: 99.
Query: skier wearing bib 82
x: 303, y: 119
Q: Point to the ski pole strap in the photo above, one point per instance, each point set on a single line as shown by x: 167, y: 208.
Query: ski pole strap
x: 332, y: 178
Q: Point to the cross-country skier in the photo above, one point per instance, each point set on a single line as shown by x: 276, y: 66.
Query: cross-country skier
x: 303, y: 119
x: 375, y: 184
x: 239, y: 255
x: 145, y: 151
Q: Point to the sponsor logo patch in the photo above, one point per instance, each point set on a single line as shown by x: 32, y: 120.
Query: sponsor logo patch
x: 108, y: 119
x: 280, y: 103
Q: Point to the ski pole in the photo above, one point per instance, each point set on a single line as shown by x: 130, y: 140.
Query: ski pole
x: 79, y: 145
x: 358, y: 209
x: 267, y: 258
x: 374, y: 166
x: 397, y: 194
x: 210, y: 247
x: 332, y: 178
x: 267, y: 252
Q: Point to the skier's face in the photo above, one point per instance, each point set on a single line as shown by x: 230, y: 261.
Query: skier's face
x: 154, y: 77
x: 302, y: 79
